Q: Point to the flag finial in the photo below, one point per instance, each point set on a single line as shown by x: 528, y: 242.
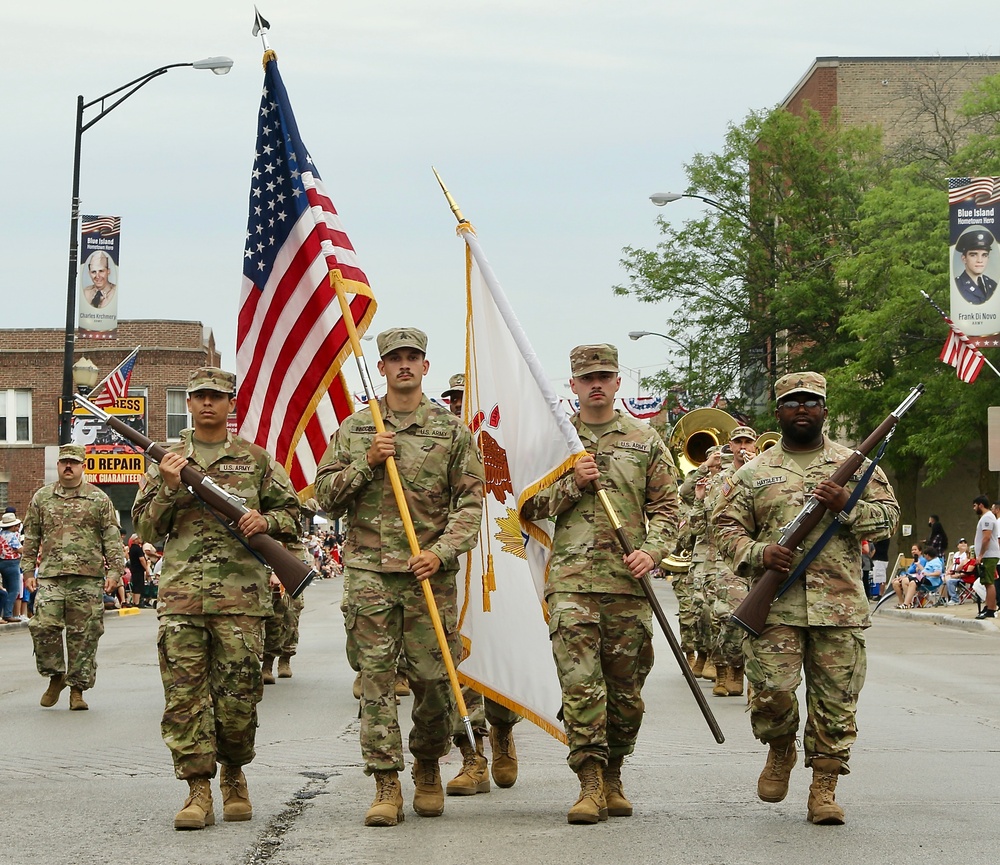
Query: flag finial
x: 451, y: 201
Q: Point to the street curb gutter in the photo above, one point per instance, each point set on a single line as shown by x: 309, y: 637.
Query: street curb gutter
x: 982, y: 626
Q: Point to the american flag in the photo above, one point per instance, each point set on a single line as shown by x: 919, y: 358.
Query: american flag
x: 115, y: 385
x: 961, y: 354
x: 106, y: 226
x: 291, y: 338
x: 983, y: 190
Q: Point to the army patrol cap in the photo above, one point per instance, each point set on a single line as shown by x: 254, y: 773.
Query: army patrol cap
x: 586, y: 359
x: 800, y: 382
x: 401, y: 337
x: 981, y: 239
x: 77, y: 453
x: 455, y: 384
x: 743, y: 432
x: 212, y: 378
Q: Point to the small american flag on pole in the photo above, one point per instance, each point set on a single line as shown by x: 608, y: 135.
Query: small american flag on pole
x: 115, y: 386
x: 961, y: 354
x: 291, y: 339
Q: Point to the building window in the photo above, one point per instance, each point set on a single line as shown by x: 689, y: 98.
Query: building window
x: 4, y: 493
x: 177, y: 413
x: 15, y: 416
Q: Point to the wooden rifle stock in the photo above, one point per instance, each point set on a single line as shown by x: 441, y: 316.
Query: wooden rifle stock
x: 751, y: 615
x: 294, y: 574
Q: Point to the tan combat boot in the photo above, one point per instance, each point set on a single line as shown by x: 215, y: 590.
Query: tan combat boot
x: 428, y: 795
x: 698, y: 667
x: 284, y: 666
x: 236, y: 805
x: 822, y: 807
x: 690, y: 658
x: 402, y: 685
x: 721, y: 689
x: 614, y: 794
x: 772, y: 785
x: 267, y: 669
x: 76, y: 701
x: 474, y: 776
x: 708, y: 671
x: 52, y: 692
x: 197, y: 812
x: 734, y: 683
x: 387, y: 807
x: 591, y: 807
x: 356, y: 690
x: 504, y: 763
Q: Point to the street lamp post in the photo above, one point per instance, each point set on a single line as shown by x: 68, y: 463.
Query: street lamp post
x: 688, y: 349
x: 219, y: 66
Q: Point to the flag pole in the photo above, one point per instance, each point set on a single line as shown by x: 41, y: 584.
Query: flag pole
x: 576, y: 446
x: 945, y: 316
x: 336, y: 280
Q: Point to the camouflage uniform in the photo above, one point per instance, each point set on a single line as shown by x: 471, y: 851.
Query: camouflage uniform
x: 600, y: 622
x: 817, y: 625
x: 77, y: 533
x: 442, y: 477
x: 281, y: 631
x: 212, y: 601
x: 687, y: 586
x: 728, y: 589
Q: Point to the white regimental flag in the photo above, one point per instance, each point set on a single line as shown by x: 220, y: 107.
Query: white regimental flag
x: 527, y: 442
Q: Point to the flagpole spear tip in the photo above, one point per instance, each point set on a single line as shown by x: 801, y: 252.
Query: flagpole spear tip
x: 451, y: 201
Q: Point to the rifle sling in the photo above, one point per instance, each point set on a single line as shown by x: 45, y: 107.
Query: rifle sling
x: 834, y: 526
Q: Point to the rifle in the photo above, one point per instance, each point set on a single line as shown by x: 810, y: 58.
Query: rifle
x: 294, y: 574
x: 752, y: 614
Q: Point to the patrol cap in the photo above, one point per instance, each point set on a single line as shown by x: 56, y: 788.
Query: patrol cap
x: 800, y: 382
x: 212, y: 378
x: 743, y: 432
x: 455, y: 383
x: 585, y: 359
x: 401, y: 337
x: 979, y: 239
x: 77, y: 453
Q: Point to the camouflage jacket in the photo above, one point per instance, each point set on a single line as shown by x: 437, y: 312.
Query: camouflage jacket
x: 638, y: 473
x: 206, y: 570
x: 442, y: 477
x: 75, y: 530
x: 765, y: 495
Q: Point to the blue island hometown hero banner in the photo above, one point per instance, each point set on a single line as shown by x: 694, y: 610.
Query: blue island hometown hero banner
x: 98, y: 296
x: 974, y: 222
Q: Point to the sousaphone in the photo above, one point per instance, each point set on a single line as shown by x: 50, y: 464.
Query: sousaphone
x: 696, y: 432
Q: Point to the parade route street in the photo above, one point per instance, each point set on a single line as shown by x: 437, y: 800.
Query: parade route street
x: 98, y: 787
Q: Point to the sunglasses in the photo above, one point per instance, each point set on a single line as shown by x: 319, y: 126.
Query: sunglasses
x: 792, y: 404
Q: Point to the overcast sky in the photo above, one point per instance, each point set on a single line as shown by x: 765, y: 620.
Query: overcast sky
x: 551, y: 121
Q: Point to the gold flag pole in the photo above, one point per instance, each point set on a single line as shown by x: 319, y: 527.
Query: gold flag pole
x: 336, y: 280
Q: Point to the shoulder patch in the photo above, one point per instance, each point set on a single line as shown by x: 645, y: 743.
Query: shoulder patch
x: 766, y: 482
x: 634, y: 446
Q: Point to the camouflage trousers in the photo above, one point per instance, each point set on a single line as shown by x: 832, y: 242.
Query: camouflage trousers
x: 685, y: 588
x: 482, y: 710
x: 708, y: 626
x: 212, y: 683
x: 76, y: 605
x: 835, y: 665
x: 603, y: 649
x: 730, y: 591
x: 386, y: 614
x: 281, y: 631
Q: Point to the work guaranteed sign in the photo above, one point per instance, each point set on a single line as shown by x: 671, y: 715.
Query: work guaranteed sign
x: 112, y: 459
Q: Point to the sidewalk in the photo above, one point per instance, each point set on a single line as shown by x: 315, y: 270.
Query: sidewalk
x: 962, y: 616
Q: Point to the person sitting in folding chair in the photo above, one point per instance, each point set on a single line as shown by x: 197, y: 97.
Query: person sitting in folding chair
x: 928, y: 588
x: 958, y: 568
x: 905, y: 578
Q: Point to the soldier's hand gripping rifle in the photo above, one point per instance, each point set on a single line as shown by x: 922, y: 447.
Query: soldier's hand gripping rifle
x: 294, y: 574
x: 751, y: 615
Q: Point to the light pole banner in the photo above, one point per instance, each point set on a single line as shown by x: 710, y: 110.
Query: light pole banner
x: 98, y: 297
x: 974, y: 222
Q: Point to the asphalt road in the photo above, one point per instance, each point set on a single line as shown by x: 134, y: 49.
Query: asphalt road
x: 97, y: 786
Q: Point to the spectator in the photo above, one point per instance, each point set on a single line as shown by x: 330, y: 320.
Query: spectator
x: 987, y: 550
x: 902, y: 580
x: 10, y: 564
x: 880, y: 564
x: 930, y: 575
x: 139, y: 570
x: 867, y: 550
x: 960, y: 563
x: 936, y: 536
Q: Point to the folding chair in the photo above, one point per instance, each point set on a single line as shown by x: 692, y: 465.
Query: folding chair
x: 966, y: 592
x: 928, y: 595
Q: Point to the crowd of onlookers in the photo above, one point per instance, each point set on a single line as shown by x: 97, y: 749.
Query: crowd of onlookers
x: 327, y: 550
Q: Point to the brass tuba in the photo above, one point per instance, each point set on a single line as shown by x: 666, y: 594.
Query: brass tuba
x: 696, y: 432
x: 767, y: 440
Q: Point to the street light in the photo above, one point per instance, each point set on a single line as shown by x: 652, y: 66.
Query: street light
x: 662, y: 198
x: 639, y: 334
x: 219, y: 66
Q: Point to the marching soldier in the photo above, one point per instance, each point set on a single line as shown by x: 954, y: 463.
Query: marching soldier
x: 599, y: 620
x: 817, y: 625
x: 443, y: 477
x: 213, y: 598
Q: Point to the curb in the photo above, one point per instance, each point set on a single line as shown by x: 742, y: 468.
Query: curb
x: 983, y: 626
x: 13, y: 627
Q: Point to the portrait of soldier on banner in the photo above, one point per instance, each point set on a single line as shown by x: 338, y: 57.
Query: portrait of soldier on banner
x: 973, y: 282
x: 975, y: 273
x: 100, y: 237
x: 99, y: 276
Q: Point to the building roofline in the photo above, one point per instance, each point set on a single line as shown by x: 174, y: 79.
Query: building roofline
x: 834, y: 61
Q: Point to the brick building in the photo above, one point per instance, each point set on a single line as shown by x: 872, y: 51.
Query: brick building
x: 31, y: 369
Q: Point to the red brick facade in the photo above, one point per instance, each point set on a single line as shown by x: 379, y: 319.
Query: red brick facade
x: 32, y: 359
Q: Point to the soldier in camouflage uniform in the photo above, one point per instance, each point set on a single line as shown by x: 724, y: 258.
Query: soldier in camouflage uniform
x: 474, y: 776
x: 599, y: 619
x: 729, y: 590
x: 817, y: 625
x: 75, y: 528
x: 213, y: 597
x: 442, y: 477
x: 281, y: 636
